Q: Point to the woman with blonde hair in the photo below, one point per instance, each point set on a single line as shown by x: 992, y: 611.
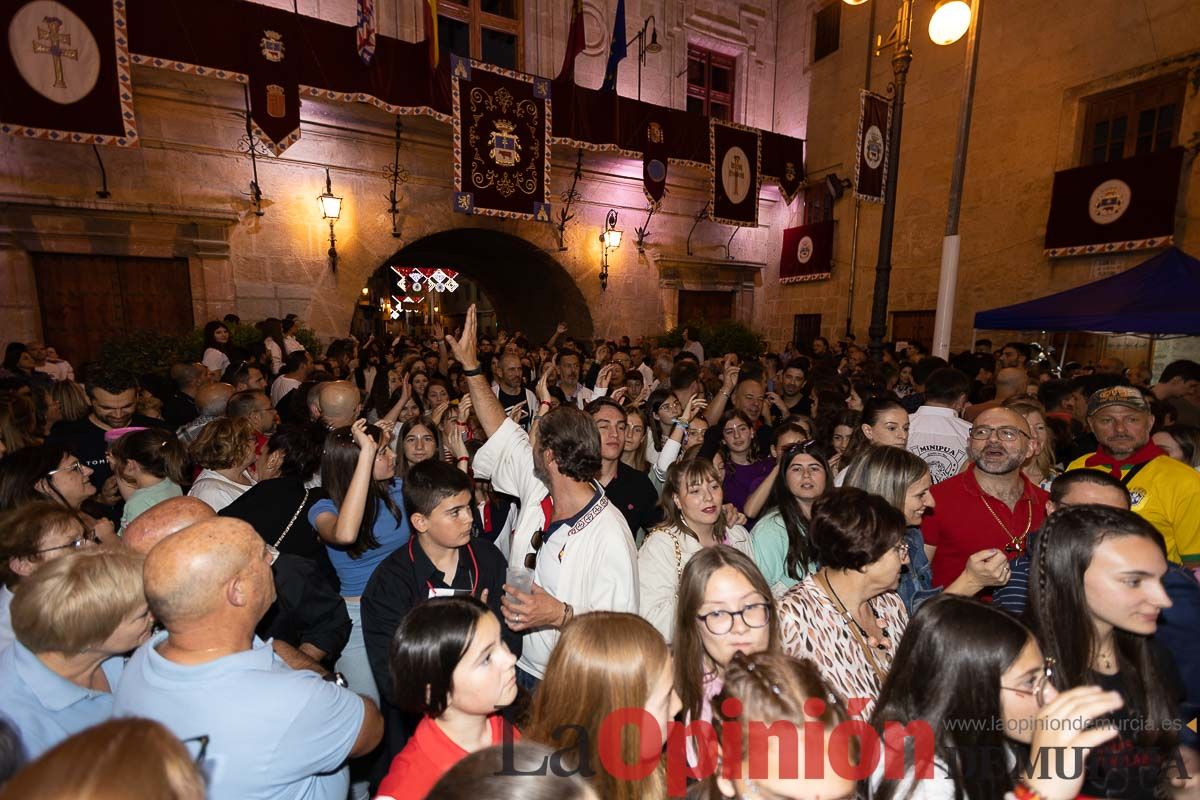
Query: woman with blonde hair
x: 224, y: 450
x: 693, y: 518
x: 122, y: 759
x: 1040, y: 467
x: 72, y: 399
x: 74, y: 619
x: 604, y: 662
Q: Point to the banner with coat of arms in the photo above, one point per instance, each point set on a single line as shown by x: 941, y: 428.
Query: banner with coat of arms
x: 735, y: 157
x: 1115, y: 206
x: 870, y: 165
x: 273, y: 53
x: 807, y: 253
x: 66, y: 72
x: 654, y: 162
x: 502, y: 122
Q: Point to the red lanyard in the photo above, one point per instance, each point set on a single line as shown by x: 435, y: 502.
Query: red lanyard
x: 474, y: 569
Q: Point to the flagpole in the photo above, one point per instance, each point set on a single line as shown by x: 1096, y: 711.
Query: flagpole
x: 948, y: 277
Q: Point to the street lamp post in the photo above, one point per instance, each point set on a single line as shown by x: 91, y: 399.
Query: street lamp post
x: 944, y: 29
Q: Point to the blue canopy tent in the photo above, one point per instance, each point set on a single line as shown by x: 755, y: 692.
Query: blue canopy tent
x: 1159, y: 296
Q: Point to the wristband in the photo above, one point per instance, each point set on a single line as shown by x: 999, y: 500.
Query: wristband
x: 471, y: 373
x: 543, y: 403
x: 464, y: 458
x: 1023, y: 791
x: 461, y: 424
x: 680, y: 424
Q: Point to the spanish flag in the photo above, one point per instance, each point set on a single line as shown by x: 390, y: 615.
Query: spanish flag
x: 431, y: 31
x: 575, y: 42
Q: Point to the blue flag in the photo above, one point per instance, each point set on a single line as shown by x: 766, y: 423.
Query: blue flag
x: 616, y: 51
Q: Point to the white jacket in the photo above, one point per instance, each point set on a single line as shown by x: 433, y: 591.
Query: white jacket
x: 598, y: 570
x: 664, y: 554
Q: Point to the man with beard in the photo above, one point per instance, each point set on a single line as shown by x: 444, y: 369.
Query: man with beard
x: 113, y: 395
x: 1166, y: 493
x: 991, y: 504
x: 568, y: 533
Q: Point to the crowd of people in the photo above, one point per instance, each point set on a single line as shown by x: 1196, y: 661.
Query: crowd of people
x: 471, y: 565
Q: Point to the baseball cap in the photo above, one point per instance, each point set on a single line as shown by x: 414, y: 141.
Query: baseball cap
x: 1117, y: 396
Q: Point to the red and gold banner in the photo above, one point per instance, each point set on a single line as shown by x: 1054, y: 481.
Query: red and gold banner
x: 735, y: 157
x: 807, y: 253
x: 501, y: 125
x: 66, y: 72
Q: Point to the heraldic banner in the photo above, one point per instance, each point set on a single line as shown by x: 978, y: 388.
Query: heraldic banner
x: 66, y: 72
x: 654, y: 162
x: 501, y: 123
x: 1116, y: 206
x: 735, y: 157
x: 874, y: 128
x: 272, y: 56
x: 807, y: 253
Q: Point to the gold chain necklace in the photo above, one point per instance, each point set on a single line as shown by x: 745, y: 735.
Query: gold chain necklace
x: 1016, y: 544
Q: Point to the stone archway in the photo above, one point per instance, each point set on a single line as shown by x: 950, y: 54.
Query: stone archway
x: 530, y: 290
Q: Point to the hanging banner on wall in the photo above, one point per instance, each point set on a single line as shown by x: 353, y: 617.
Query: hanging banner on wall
x: 735, y: 157
x: 654, y: 162
x: 787, y: 154
x: 273, y: 54
x: 807, y: 253
x: 501, y: 123
x: 1116, y: 206
x: 66, y: 71
x: 874, y: 127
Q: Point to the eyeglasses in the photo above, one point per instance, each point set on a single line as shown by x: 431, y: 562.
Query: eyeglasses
x: 76, y: 467
x: 89, y: 536
x: 203, y: 751
x: 1038, y: 692
x: 1006, y: 434
x: 539, y: 538
x: 719, y: 623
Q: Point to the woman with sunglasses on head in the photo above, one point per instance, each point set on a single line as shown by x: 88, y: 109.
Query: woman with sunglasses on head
x: 74, y: 620
x: 49, y: 472
x: 903, y: 479
x: 724, y: 607
x: 787, y: 433
x: 694, y: 519
x: 777, y: 692
x: 782, y: 548
x: 977, y: 681
x: 362, y: 522
x: 1095, y: 594
x: 847, y: 616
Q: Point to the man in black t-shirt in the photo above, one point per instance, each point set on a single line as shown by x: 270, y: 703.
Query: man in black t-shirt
x: 113, y: 395
x: 629, y: 490
x: 511, y: 391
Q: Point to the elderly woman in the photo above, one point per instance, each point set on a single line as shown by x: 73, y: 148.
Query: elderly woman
x: 74, y: 619
x: 847, y: 616
x: 225, y: 451
x: 31, y: 536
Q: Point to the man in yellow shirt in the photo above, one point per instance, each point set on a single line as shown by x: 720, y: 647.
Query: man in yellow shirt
x: 1166, y: 493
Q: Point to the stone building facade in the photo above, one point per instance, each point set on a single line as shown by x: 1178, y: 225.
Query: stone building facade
x: 183, y: 192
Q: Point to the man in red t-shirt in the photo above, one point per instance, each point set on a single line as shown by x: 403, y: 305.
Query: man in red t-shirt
x: 991, y: 504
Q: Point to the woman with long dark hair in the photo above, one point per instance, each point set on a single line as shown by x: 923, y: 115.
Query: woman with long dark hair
x: 782, y: 549
x: 48, y: 472
x: 974, y: 678
x: 216, y: 348
x: 273, y: 340
x: 883, y: 422
x: 1095, y: 593
x: 362, y: 522
x: 745, y: 468
x: 152, y: 465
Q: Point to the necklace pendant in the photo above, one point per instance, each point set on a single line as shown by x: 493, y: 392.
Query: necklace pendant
x: 1014, y: 547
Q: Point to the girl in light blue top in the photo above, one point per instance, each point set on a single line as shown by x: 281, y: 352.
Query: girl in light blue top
x: 74, y: 620
x: 782, y: 549
x: 362, y: 523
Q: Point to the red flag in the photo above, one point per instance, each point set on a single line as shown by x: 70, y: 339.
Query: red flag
x: 431, y: 31
x: 575, y: 42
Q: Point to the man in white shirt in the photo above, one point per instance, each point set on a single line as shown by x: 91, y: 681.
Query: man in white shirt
x: 937, y: 433
x: 296, y: 367
x: 582, y: 554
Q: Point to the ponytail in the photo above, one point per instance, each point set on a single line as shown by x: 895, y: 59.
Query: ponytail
x: 157, y: 451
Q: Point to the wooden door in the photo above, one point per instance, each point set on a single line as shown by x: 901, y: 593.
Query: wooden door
x: 704, y: 307
x: 913, y: 326
x: 86, y: 300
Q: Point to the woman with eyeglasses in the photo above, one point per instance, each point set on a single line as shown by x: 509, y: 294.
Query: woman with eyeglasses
x: 31, y: 536
x: 48, y: 472
x: 903, y: 479
x: 883, y: 422
x: 74, y: 619
x: 847, y: 616
x: 694, y: 518
x: 664, y: 409
x: 1095, y: 594
x: 782, y: 548
x: 972, y: 681
x: 724, y: 607
x: 362, y: 522
x: 224, y: 450
x: 682, y: 442
x: 778, y: 693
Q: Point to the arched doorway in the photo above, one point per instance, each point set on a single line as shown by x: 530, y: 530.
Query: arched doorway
x: 528, y: 290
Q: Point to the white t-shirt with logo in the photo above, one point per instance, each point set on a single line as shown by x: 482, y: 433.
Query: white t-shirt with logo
x: 939, y: 436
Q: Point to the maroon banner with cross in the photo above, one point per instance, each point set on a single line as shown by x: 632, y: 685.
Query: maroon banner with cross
x: 66, y: 72
x: 735, y: 158
x: 501, y: 125
x: 807, y: 253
